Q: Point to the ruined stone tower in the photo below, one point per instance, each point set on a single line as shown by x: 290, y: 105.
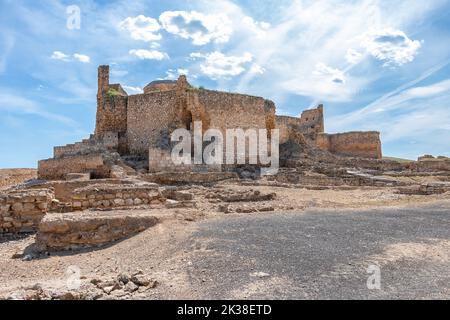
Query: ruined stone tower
x: 111, y: 105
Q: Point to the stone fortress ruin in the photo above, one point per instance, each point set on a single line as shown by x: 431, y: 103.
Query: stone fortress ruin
x: 139, y: 127
x: 122, y: 180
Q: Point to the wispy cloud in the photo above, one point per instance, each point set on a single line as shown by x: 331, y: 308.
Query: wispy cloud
x: 10, y: 102
x: 7, y: 43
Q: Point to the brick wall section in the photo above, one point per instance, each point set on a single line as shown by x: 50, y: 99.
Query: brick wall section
x: 110, y: 196
x: 354, y: 144
x: 56, y: 169
x: 21, y: 211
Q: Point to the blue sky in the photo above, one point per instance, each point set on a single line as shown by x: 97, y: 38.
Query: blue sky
x: 375, y: 65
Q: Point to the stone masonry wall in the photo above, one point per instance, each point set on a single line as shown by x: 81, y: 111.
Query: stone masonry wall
x: 21, y: 211
x: 432, y: 165
x: 354, y: 144
x: 111, y: 108
x: 224, y: 111
x: 111, y: 114
x: 71, y: 231
x: 110, y: 196
x: 150, y: 118
x: 64, y: 189
x: 285, y: 124
x: 312, y: 121
x: 160, y: 160
x: 230, y: 110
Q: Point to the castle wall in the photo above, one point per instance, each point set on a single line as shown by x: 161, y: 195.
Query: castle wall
x: 111, y: 114
x: 227, y: 110
x: 285, y: 124
x: 312, y: 124
x: 354, y: 144
x: 151, y: 118
x: 312, y: 121
x: 224, y: 110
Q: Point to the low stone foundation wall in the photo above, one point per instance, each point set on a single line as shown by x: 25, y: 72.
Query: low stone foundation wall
x: 21, y: 211
x: 56, y: 169
x: 175, y: 178
x: 64, y: 189
x: 431, y: 165
x: 426, y: 189
x: 70, y: 231
x: 112, y: 196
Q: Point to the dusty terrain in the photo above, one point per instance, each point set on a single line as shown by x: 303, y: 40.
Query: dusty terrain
x: 10, y: 177
x: 172, y: 256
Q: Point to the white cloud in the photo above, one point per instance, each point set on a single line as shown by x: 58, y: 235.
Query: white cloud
x: 133, y: 89
x: 257, y: 69
x: 149, y: 54
x: 200, y: 28
x: 218, y: 65
x: 311, y: 32
x: 172, y: 74
x: 142, y: 28
x: 353, y: 56
x: 183, y: 71
x: 329, y: 74
x: 259, y: 28
x: 58, y: 55
x: 82, y: 58
x: 391, y: 46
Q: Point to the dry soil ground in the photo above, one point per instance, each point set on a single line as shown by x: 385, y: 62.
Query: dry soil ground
x: 315, y: 244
